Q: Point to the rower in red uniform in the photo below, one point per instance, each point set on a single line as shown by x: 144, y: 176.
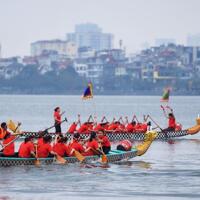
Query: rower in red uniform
x: 9, y: 150
x: 76, y: 145
x: 104, y: 141
x: 26, y: 149
x: 171, y: 119
x: 57, y: 118
x: 83, y: 128
x: 45, y: 149
x: 3, y: 130
x: 130, y: 128
x: 73, y: 127
x: 60, y: 147
x: 92, y: 146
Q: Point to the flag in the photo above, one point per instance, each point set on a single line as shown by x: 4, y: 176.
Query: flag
x: 166, y: 93
x: 88, y: 93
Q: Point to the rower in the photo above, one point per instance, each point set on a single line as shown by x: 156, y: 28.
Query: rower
x: 130, y: 128
x: 3, y: 130
x: 9, y: 146
x: 57, y: 118
x: 92, y: 146
x: 104, y: 141
x: 73, y: 127
x: 45, y: 149
x: 26, y: 149
x: 76, y: 145
x: 60, y: 147
x: 171, y: 120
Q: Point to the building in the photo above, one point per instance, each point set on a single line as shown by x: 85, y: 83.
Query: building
x: 90, y: 35
x: 164, y: 41
x: 61, y: 47
x: 193, y: 40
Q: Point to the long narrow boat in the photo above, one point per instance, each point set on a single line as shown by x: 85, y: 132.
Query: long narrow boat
x: 113, y: 156
x: 137, y: 136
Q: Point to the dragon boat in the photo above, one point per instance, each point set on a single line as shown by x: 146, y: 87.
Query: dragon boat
x: 135, y: 136
x: 113, y: 156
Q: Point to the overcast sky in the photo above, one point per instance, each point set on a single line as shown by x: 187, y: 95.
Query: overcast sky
x: 134, y: 21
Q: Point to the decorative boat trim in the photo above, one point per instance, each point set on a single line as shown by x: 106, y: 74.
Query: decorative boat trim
x: 113, y: 156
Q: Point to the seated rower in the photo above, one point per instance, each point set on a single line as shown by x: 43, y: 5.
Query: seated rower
x: 9, y: 146
x: 26, y: 149
x: 92, y: 146
x: 76, y: 145
x: 130, y: 128
x: 73, y: 127
x: 104, y: 141
x: 60, y: 147
x: 45, y: 149
x: 3, y: 130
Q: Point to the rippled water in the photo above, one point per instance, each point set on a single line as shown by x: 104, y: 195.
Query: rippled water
x: 169, y: 170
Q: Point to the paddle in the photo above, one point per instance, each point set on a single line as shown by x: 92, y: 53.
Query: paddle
x: 19, y: 134
x: 37, y: 161
x: 65, y: 120
x: 60, y: 159
x: 79, y: 156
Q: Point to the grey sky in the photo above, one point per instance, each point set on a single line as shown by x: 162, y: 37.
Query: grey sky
x: 135, y: 21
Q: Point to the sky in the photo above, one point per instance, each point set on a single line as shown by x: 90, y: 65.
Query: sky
x: 134, y: 21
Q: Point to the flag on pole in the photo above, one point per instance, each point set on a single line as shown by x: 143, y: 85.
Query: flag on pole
x: 88, y: 93
x: 166, y: 93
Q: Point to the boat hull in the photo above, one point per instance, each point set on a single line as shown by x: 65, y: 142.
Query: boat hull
x: 124, y: 136
x: 113, y: 156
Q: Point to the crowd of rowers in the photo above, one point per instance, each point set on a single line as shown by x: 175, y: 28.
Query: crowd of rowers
x: 98, y: 140
x: 44, y: 146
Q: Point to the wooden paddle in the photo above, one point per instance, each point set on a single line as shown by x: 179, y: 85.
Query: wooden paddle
x: 60, y: 159
x: 79, y: 156
x: 37, y: 161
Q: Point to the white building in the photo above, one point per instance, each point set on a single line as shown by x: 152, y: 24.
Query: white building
x: 61, y: 47
x: 90, y: 35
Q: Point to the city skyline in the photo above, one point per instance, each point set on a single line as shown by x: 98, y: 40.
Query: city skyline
x: 135, y: 22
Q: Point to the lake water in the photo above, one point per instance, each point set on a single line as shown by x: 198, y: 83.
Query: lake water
x: 166, y: 171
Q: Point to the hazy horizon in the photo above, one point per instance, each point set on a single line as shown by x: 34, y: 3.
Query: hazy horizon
x: 134, y: 21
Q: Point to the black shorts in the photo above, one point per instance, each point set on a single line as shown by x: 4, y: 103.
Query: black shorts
x: 58, y: 128
x: 106, y: 149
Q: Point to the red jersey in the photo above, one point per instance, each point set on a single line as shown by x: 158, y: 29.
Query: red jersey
x: 77, y: 146
x: 40, y: 141
x: 105, y: 141
x: 57, y: 117
x: 94, y: 145
x: 3, y: 133
x: 130, y: 128
x: 61, y: 149
x: 10, y: 149
x: 172, y: 122
x: 83, y: 128
x: 44, y: 150
x: 98, y: 128
x: 25, y: 149
x: 112, y: 126
x: 72, y: 128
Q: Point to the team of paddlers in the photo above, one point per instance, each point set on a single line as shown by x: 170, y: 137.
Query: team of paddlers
x: 97, y: 142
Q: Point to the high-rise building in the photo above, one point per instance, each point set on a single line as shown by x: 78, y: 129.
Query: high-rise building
x: 90, y: 35
x: 61, y: 47
x: 164, y: 41
x: 193, y: 40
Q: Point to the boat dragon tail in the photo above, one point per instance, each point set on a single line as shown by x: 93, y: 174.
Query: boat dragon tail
x: 195, y: 129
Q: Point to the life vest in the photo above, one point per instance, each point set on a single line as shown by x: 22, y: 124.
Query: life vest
x: 172, y: 122
x: 124, y: 145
